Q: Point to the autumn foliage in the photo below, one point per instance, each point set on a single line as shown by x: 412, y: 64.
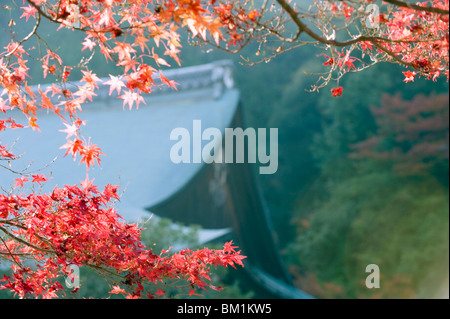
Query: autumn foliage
x: 418, y: 40
x: 77, y: 224
x: 414, y: 135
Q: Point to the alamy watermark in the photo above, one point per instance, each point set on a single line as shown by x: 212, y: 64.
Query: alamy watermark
x: 373, y: 280
x: 190, y: 149
x: 73, y: 277
x: 373, y: 16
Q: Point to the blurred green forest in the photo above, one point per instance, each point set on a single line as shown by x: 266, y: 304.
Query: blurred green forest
x: 339, y: 200
x: 335, y: 212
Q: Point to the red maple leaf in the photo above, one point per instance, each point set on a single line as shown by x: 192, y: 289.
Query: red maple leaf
x: 39, y: 179
x: 130, y: 98
x: 90, y: 154
x: 28, y: 12
x: 114, y: 84
x: 160, y: 292
x: 20, y: 181
x: 117, y: 290
x: 337, y: 91
x: 409, y: 76
x: 330, y: 60
x: 88, y: 44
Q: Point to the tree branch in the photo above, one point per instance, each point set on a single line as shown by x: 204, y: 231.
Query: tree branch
x: 394, y: 55
x: 375, y: 40
x: 20, y: 240
x: 417, y: 7
x: 36, y: 26
x: 304, y: 28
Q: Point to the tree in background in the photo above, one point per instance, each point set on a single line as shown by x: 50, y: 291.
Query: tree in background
x: 413, y: 135
x: 76, y: 224
x: 359, y: 209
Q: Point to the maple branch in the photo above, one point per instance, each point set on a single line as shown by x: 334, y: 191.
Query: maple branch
x: 11, y: 170
x: 26, y: 38
x: 41, y: 12
x: 105, y: 270
x: 304, y: 28
x: 60, y: 21
x: 394, y: 55
x: 50, y: 18
x: 98, y: 268
x: 20, y: 240
x: 8, y: 222
x: 15, y: 254
x: 17, y: 262
x: 417, y: 7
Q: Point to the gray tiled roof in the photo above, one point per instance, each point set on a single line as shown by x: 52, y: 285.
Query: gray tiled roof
x: 136, y: 142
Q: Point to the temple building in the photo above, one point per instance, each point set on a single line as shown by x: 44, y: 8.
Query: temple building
x: 223, y: 198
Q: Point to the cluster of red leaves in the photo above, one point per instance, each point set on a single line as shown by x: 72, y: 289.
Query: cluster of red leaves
x: 421, y: 39
x: 4, y: 124
x: 75, y: 226
x: 13, y: 79
x: 337, y: 91
x: 139, y: 36
x: 417, y: 39
x: 127, y: 35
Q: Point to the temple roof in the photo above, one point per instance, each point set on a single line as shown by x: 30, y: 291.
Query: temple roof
x: 224, y: 198
x: 136, y: 142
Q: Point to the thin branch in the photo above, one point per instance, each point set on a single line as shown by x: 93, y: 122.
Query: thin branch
x: 417, y: 7
x: 16, y: 254
x: 375, y: 40
x: 36, y: 26
x: 43, y: 13
x: 394, y: 55
x: 20, y: 240
x: 304, y: 28
x: 17, y: 262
